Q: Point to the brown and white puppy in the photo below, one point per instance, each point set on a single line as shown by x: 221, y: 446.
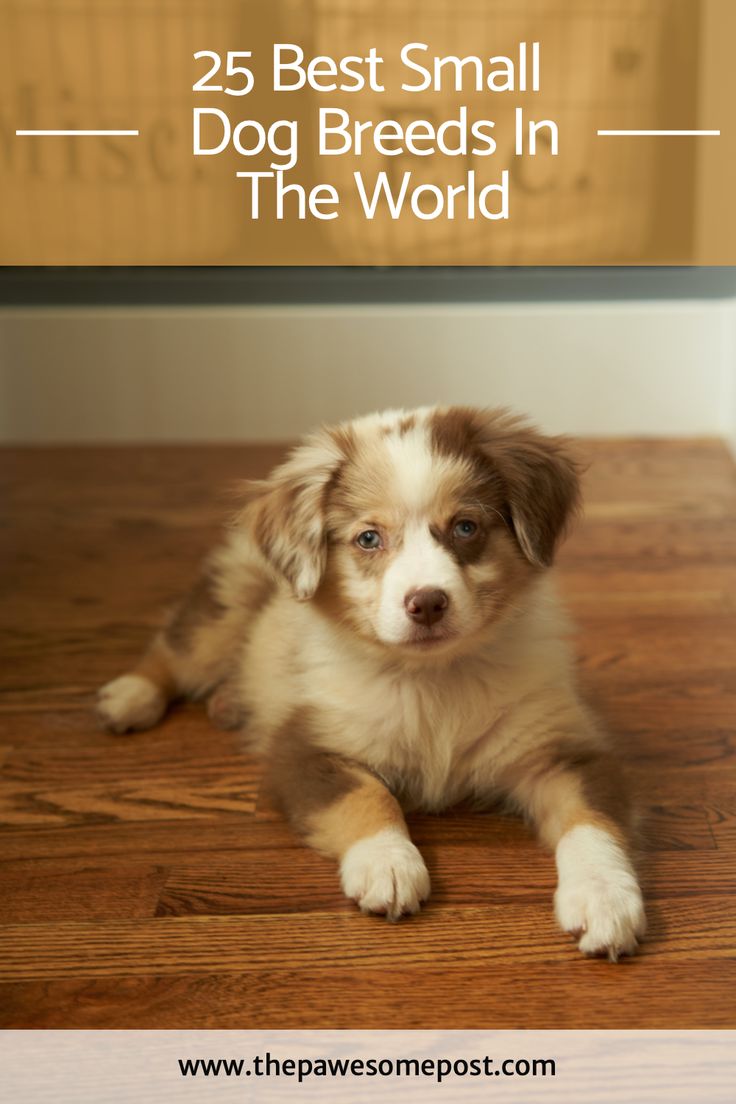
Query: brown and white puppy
x: 384, y: 615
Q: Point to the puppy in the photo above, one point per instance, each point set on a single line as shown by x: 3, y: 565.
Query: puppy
x: 384, y: 614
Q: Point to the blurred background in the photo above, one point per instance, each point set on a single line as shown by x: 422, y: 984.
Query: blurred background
x: 189, y: 344
x: 228, y: 355
x: 146, y: 200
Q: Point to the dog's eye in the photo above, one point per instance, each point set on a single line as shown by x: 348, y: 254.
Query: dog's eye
x: 465, y: 528
x: 369, y: 540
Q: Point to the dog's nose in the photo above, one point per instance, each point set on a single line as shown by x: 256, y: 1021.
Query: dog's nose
x: 426, y: 605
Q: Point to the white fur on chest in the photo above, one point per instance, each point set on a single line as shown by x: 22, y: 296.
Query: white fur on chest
x: 436, y: 734
x: 410, y: 729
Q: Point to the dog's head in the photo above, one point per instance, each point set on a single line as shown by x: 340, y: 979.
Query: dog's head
x: 417, y: 530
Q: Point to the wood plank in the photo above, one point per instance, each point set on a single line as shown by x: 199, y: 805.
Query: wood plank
x: 679, y: 825
x: 580, y: 993
x: 698, y: 928
x: 295, y: 879
x: 463, y: 874
x: 51, y: 890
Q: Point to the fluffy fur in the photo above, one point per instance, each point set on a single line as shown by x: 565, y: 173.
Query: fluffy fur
x: 383, y: 619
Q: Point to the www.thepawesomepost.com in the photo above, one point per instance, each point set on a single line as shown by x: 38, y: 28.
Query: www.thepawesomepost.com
x: 435, y: 1069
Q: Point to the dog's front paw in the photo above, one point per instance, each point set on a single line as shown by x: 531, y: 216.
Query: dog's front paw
x: 598, y: 897
x: 130, y: 703
x: 385, y: 874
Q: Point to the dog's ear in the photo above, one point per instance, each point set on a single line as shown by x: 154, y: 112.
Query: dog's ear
x: 540, y: 477
x: 538, y: 474
x: 285, y: 514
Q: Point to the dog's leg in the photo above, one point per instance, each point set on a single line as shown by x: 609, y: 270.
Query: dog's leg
x: 138, y: 699
x: 578, y: 803
x: 347, y: 813
x: 193, y: 655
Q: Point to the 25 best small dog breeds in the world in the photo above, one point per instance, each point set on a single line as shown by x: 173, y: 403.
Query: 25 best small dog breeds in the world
x: 383, y: 614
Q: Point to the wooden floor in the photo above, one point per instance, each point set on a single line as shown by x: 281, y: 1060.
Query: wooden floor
x: 144, y: 883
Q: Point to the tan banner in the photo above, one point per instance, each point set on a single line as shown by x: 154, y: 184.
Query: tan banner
x: 367, y: 132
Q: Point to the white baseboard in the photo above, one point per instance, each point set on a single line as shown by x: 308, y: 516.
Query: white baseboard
x: 269, y: 373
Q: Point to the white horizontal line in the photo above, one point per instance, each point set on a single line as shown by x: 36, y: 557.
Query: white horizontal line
x: 659, y: 133
x: 83, y: 133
